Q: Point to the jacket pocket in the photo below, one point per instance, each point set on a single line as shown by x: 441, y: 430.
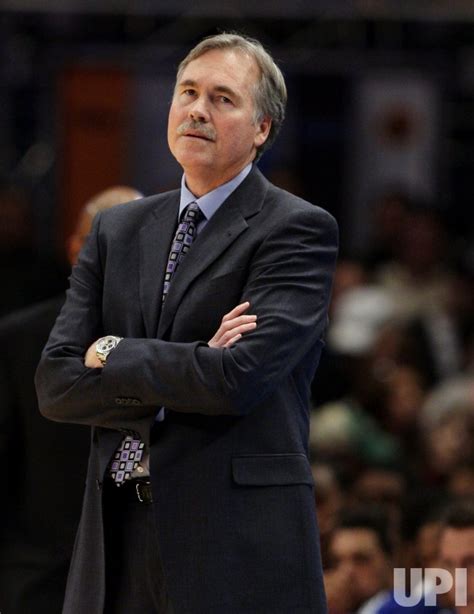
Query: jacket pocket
x: 271, y: 470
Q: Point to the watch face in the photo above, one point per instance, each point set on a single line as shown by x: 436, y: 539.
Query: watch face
x: 106, y: 344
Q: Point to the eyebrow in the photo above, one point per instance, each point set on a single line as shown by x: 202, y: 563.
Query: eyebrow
x: 223, y: 89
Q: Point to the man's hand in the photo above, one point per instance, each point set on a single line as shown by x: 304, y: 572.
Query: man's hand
x: 91, y: 360
x: 233, y: 325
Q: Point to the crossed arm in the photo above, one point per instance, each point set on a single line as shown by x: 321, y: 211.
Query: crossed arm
x: 288, y: 285
x: 233, y: 325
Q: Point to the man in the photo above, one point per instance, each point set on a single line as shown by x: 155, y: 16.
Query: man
x: 455, y: 546
x: 456, y: 551
x: 105, y: 199
x: 45, y: 463
x: 231, y: 528
x: 361, y: 554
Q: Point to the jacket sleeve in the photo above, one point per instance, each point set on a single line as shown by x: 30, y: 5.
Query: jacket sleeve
x: 288, y: 287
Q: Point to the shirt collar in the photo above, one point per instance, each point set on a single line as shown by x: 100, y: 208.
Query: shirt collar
x: 210, y: 202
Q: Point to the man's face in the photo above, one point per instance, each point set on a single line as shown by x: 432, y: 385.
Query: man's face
x: 456, y: 551
x: 212, y: 131
x: 357, y: 554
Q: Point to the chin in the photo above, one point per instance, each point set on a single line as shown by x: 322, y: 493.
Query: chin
x: 188, y: 158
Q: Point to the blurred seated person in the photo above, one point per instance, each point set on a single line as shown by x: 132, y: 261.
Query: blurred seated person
x: 383, y: 485
x: 461, y: 480
x: 329, y: 499
x: 441, y: 335
x: 456, y: 549
x: 347, y: 426
x: 446, y: 427
x: 389, y: 214
x: 40, y: 512
x: 332, y: 380
x: 360, y: 556
x: 455, y: 552
x: 422, y: 511
x: 419, y: 280
x: 28, y: 274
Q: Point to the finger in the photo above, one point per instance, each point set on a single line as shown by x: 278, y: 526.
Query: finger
x: 238, y: 330
x: 232, y: 341
x: 230, y: 325
x: 230, y: 321
x: 222, y: 338
x: 236, y: 311
x: 234, y: 322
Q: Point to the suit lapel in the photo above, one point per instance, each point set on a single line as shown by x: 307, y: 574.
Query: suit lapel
x: 155, y: 242
x: 222, y: 230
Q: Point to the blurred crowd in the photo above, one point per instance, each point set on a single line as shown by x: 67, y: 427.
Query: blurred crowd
x: 392, y: 431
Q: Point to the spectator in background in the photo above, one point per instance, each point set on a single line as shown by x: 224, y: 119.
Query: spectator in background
x: 39, y: 515
x: 351, y: 273
x: 104, y: 200
x: 420, y: 527
x: 329, y: 501
x: 28, y: 275
x: 446, y: 427
x: 383, y: 486
x: 404, y: 392
x: 456, y: 549
x: 332, y: 378
x: 454, y: 541
x: 390, y: 211
x: 461, y: 479
x: 440, y: 336
x: 349, y: 428
x: 361, y: 559
x: 419, y: 280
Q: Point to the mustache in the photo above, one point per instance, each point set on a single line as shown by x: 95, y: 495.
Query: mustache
x: 202, y: 129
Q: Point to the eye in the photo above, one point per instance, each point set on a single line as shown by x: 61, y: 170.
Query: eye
x: 188, y: 92
x: 225, y: 100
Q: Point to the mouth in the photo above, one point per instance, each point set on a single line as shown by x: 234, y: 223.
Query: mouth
x: 196, y: 130
x: 197, y: 135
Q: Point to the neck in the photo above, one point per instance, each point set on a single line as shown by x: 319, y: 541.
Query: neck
x: 201, y: 183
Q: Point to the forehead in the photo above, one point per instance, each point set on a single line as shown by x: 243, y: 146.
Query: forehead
x: 347, y: 541
x: 457, y: 542
x: 227, y: 67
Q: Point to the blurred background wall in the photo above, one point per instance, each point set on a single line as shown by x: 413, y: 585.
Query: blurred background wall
x: 380, y: 98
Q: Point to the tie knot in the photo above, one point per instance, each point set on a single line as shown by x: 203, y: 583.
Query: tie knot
x: 193, y: 213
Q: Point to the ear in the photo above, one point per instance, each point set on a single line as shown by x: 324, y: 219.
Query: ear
x: 263, y: 130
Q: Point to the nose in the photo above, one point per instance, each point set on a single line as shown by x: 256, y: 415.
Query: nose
x: 347, y: 567
x: 198, y: 111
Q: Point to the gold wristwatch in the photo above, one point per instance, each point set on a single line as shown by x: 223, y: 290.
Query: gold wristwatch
x: 105, y: 345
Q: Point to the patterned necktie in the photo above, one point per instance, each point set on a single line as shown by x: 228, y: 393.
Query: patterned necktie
x: 183, y: 239
x: 130, y: 451
x: 126, y: 458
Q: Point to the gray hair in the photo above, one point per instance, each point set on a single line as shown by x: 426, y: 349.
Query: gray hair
x: 269, y: 92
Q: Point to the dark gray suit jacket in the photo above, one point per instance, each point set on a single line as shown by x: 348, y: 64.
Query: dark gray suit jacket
x: 230, y: 474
